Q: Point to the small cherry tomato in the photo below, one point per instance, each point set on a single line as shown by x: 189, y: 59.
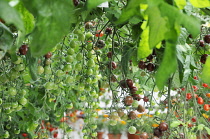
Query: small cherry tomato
x: 99, y: 33
x: 200, y: 100
x: 195, y: 88
x: 195, y: 78
x: 205, y: 85
x: 206, y: 107
x: 188, y: 96
x: 208, y: 95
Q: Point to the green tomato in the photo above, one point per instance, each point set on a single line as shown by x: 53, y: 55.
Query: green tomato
x: 82, y: 98
x: 49, y: 85
x: 14, y: 74
x: 157, y: 113
x: 69, y: 79
x: 190, y: 112
x: 17, y: 131
x: 132, y: 129
x: 81, y: 37
x: 23, y: 101
x: 20, y: 67
x: 47, y: 70
x: 93, y: 127
x: 88, y: 80
x: 89, y: 46
x: 8, y: 126
x: 94, y: 134
x: 91, y: 63
x: 14, y: 105
x: 73, y: 44
x: 18, y: 61
x: 112, y: 122
x: 69, y: 106
x: 70, y: 51
x: 23, y: 92
x: 79, y: 57
x: 78, y: 66
x: 12, y: 91
x: 89, y: 71
x: 40, y: 69
x: 8, y: 111
x: 48, y: 62
x: 1, y: 101
x: 88, y: 35
x: 69, y: 59
x: 59, y: 73
x: 19, y: 107
x: 6, y: 134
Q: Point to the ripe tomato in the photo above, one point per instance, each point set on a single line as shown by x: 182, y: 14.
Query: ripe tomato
x: 206, y: 107
x: 195, y: 88
x: 24, y: 134
x: 55, y: 135
x: 195, y: 77
x: 188, y: 96
x: 205, y: 85
x: 99, y: 33
x: 194, y: 119
x: 200, y: 100
x: 208, y: 95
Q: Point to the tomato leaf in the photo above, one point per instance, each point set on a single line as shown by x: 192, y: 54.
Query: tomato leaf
x: 157, y: 26
x: 10, y: 15
x: 206, y: 70
x: 6, y: 40
x: 207, y: 129
x: 200, y: 3
x: 94, y: 3
x: 131, y: 9
x: 180, y: 3
x: 175, y: 124
x: 167, y: 66
x: 54, y: 19
x: 192, y: 24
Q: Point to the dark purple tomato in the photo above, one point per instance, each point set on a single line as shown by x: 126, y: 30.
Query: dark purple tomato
x: 141, y: 65
x: 150, y: 67
x: 100, y: 44
x: 146, y: 99
x: 136, y: 97
x: 129, y: 83
x: 23, y: 49
x: 203, y: 58
x: 128, y: 100
x: 163, y: 126
x: 158, y: 132
x: 109, y: 54
x: 201, y: 43
x: 48, y: 55
x: 108, y: 31
x: 207, y: 38
x: 76, y: 2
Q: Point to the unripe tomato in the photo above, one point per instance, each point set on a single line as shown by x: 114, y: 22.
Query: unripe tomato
x: 78, y: 67
x: 47, y: 70
x: 49, y: 85
x: 20, y: 67
x: 40, y: 69
x: 79, y: 57
x: 91, y: 63
x: 70, y: 51
x: 23, y: 101
x: 69, y: 59
x: 12, y: 91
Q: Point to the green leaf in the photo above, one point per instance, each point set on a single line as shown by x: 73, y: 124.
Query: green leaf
x: 131, y: 9
x: 157, y: 26
x: 206, y: 70
x: 27, y: 17
x: 192, y: 24
x: 54, y: 19
x: 180, y: 3
x: 32, y: 65
x: 126, y: 56
x: 6, y: 40
x: 201, y: 126
x: 94, y: 3
x: 167, y: 66
x: 183, y: 36
x: 175, y: 123
x: 144, y: 49
x: 200, y: 3
x: 10, y: 15
x: 207, y: 129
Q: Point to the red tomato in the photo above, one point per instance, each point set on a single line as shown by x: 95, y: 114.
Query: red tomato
x: 188, y: 96
x: 99, y: 33
x: 205, y: 85
x: 206, y: 107
x: 24, y: 134
x: 51, y: 129
x: 55, y: 135
x: 200, y: 100
x: 194, y: 119
x: 183, y: 89
x: 195, y: 88
x: 195, y: 77
x: 195, y: 95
